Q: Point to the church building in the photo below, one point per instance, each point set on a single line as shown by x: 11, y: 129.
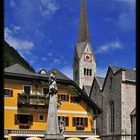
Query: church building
x: 115, y: 93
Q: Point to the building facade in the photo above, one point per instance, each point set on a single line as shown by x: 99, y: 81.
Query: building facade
x: 117, y: 98
x: 26, y: 106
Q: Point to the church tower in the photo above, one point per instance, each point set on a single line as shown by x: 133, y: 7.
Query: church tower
x: 84, y: 64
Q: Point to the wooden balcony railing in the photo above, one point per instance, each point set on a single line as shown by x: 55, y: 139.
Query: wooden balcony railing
x: 32, y: 100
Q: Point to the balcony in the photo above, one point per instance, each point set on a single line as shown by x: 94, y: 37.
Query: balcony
x: 32, y: 100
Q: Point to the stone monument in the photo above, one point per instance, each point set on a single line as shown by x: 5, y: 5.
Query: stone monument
x: 53, y: 129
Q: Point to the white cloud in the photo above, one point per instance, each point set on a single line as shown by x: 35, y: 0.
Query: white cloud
x: 109, y: 46
x: 17, y: 43
x: 126, y: 19
x: 126, y: 15
x: 50, y: 54
x: 48, y: 7
x: 39, y: 34
x: 44, y: 59
x: 12, y: 3
x: 57, y: 61
x: 67, y: 71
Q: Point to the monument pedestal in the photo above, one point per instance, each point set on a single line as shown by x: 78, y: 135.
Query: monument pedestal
x: 53, y: 137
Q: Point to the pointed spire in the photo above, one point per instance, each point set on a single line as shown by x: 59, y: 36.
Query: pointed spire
x: 83, y: 34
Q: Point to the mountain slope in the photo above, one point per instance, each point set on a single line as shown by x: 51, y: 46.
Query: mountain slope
x: 11, y: 57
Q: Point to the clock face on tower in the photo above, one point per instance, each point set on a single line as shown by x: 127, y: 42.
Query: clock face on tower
x: 88, y: 57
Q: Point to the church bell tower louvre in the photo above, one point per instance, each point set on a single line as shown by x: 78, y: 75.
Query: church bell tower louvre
x: 84, y: 63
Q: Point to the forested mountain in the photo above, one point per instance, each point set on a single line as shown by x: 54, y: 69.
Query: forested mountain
x: 11, y: 57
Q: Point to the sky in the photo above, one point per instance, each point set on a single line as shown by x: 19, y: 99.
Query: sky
x: 45, y: 32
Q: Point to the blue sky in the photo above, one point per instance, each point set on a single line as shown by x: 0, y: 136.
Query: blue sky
x: 45, y: 32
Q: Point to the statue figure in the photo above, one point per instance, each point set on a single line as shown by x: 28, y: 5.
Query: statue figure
x: 52, y: 120
x: 52, y: 84
x: 53, y: 127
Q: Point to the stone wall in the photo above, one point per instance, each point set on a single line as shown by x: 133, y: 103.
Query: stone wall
x: 128, y: 104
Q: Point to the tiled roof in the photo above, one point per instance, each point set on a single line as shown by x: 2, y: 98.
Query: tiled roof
x: 18, y: 69
x: 59, y: 75
x: 87, y: 88
x: 130, y: 74
x: 80, y: 47
x: 100, y: 81
x: 114, y: 68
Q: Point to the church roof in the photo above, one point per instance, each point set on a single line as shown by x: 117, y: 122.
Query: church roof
x: 100, y: 81
x: 83, y: 34
x: 130, y: 74
x: 86, y: 89
x: 80, y: 47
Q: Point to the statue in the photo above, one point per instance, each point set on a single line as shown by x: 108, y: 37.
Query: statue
x: 53, y: 129
x: 62, y: 126
x: 52, y: 84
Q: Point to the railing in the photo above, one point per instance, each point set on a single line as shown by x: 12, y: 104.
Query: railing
x: 32, y: 100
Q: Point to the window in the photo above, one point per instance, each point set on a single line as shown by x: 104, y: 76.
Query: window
x: 45, y: 90
x: 65, y: 119
x: 27, y: 89
x: 85, y: 71
x: 80, y: 121
x: 8, y: 93
x: 23, y: 120
x: 75, y: 99
x: 90, y: 72
x: 63, y: 97
x: 112, y: 116
x: 41, y: 117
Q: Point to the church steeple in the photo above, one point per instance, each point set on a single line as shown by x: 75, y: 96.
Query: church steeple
x: 84, y: 63
x: 83, y: 34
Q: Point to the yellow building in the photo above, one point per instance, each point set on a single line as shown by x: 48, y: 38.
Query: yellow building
x: 26, y: 106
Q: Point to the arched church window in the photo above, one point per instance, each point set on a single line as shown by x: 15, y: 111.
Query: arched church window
x: 112, y: 116
x: 85, y: 71
x: 90, y: 72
